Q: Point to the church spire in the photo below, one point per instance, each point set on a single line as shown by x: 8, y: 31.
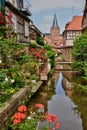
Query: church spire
x: 55, y: 23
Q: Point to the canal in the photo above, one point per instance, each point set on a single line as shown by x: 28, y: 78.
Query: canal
x: 59, y: 97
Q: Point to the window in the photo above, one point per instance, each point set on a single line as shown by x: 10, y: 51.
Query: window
x: 14, y: 20
x: 19, y: 3
x: 26, y: 28
x: 15, y: 3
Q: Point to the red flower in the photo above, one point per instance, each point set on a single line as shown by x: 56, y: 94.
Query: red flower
x: 51, y: 118
x: 16, y: 121
x: 39, y: 106
x: 57, y: 125
x: 32, y: 49
x: 2, y: 21
x: 22, y: 109
x: 9, y: 16
x: 19, y: 115
x: 50, y: 128
x: 1, y: 15
x: 38, y: 52
x: 44, y: 50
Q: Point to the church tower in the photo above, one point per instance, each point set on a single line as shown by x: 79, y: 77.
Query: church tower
x: 55, y: 30
x: 55, y: 38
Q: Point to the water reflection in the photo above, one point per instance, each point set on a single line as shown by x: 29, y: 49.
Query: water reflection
x: 59, y: 89
x: 62, y: 105
x: 67, y: 85
x: 57, y: 97
x: 77, y: 98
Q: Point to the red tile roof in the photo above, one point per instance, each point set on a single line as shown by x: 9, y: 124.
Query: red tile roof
x: 75, y: 24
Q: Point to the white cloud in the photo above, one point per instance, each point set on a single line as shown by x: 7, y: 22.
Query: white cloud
x: 46, y: 24
x: 42, y: 12
x: 40, y: 5
x: 44, y: 27
x: 47, y: 18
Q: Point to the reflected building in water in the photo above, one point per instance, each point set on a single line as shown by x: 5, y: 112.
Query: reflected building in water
x: 67, y: 85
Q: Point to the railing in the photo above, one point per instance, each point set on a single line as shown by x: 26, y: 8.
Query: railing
x: 26, y: 7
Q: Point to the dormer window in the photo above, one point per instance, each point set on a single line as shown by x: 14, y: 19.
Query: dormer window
x: 19, y: 4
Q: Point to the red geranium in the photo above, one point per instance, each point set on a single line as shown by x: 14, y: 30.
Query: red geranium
x: 50, y: 128
x: 39, y: 106
x: 22, y: 109
x: 51, y: 118
x: 19, y: 115
x: 57, y: 125
x: 16, y: 121
x: 39, y: 53
x: 1, y: 15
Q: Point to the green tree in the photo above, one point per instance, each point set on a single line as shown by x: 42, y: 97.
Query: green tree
x: 40, y: 41
x: 51, y: 55
x: 79, y: 54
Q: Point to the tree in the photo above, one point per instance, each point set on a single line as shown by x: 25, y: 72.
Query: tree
x: 40, y: 41
x: 51, y: 55
x: 79, y: 54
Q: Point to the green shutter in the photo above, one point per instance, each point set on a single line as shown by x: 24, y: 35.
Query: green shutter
x: 2, y: 3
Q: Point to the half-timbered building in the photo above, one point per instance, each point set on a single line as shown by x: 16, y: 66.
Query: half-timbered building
x: 34, y: 33
x: 23, y: 25
x: 20, y: 12
x: 72, y: 30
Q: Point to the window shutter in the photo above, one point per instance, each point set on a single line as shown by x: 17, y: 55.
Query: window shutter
x: 2, y: 3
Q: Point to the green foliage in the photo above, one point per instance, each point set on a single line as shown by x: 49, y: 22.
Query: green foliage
x: 12, y: 58
x: 40, y: 41
x: 33, y: 45
x: 33, y: 77
x: 51, y: 55
x: 47, y: 47
x: 45, y: 128
x: 81, y: 89
x: 28, y: 125
x: 85, y: 70
x: 79, y: 53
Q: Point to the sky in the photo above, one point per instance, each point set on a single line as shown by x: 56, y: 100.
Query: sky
x: 43, y: 12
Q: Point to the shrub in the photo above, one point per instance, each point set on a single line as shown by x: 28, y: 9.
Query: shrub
x: 33, y: 77
x: 79, y: 54
x: 40, y: 40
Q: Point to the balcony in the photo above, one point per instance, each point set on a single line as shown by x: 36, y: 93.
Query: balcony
x: 26, y: 7
x: 21, y: 5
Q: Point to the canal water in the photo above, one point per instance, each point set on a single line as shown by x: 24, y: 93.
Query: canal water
x: 58, y: 97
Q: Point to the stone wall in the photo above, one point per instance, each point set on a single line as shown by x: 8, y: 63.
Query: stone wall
x: 11, y: 106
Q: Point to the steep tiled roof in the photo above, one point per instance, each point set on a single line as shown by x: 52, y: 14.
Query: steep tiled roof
x: 75, y: 24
